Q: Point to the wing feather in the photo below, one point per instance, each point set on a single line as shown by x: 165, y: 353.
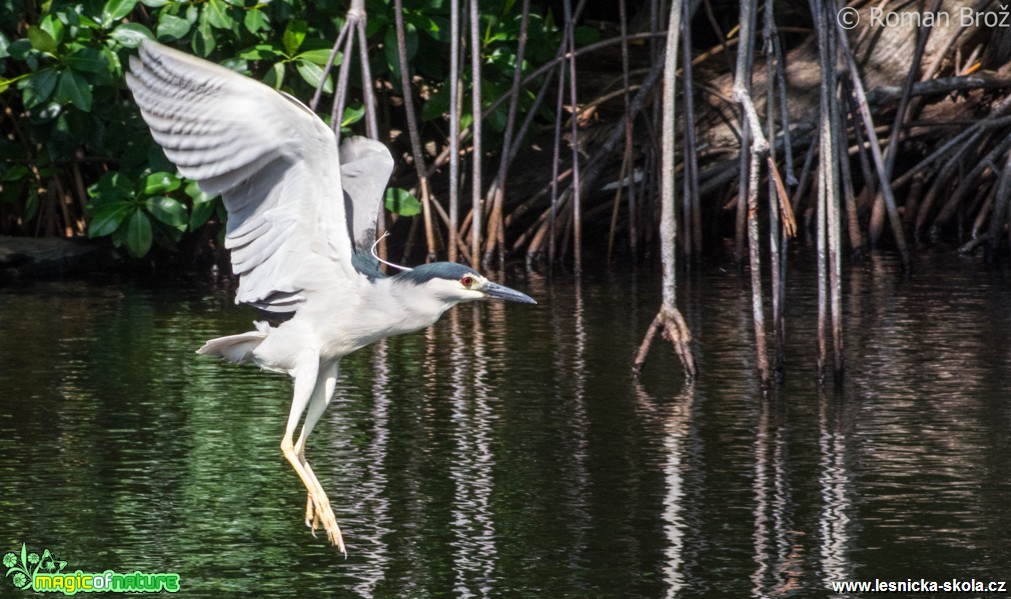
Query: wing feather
x: 274, y: 162
x: 366, y: 165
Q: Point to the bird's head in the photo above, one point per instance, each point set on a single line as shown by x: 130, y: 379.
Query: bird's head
x: 453, y: 283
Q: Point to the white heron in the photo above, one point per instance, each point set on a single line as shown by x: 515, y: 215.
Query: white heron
x: 301, y: 229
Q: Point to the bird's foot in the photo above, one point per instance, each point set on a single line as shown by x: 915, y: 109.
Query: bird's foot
x: 318, y: 511
x: 311, y: 517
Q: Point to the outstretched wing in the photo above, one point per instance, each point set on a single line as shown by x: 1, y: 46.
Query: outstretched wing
x: 273, y: 161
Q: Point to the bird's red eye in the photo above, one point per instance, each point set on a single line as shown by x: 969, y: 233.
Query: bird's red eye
x: 467, y: 281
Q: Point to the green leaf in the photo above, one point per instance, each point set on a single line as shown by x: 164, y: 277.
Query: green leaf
x: 20, y: 49
x: 115, y: 10
x: 32, y: 205
x: 204, y: 42
x: 497, y: 119
x: 86, y: 23
x: 130, y: 35
x: 47, y: 114
x: 74, y: 89
x: 111, y: 187
x: 410, y: 40
x: 145, y: 152
x: 171, y: 26
x: 261, y: 52
x: 390, y: 48
x: 138, y: 233
x: 437, y: 28
x: 198, y: 195
x: 319, y: 56
x: 41, y: 41
x: 256, y: 20
x: 169, y: 211
x: 352, y: 114
x: 275, y: 76
x: 294, y: 35
x: 52, y: 25
x: 238, y: 65
x: 400, y: 201
x: 106, y: 219
x: 14, y: 173
x: 201, y: 214
x: 217, y: 14
x: 313, y: 73
x: 89, y: 60
x: 39, y: 86
x: 203, y: 205
x: 160, y: 183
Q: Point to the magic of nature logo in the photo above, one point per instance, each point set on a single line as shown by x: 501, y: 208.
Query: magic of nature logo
x: 45, y: 573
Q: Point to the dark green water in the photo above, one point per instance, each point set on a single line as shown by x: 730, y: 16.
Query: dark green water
x: 506, y: 453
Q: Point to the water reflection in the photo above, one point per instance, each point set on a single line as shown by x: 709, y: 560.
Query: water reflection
x: 473, y: 526
x: 506, y: 452
x: 571, y: 377
x: 375, y: 506
x: 674, y: 418
x: 835, y: 482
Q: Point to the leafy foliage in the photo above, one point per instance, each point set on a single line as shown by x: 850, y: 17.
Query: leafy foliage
x: 75, y: 155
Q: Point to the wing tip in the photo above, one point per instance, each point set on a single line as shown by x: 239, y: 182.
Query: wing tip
x: 360, y: 147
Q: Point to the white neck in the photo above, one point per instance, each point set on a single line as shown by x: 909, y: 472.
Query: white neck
x: 409, y: 307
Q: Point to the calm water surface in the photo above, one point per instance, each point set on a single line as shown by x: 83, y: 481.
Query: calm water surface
x: 506, y: 452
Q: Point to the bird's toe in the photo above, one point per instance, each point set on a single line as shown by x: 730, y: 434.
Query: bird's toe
x: 311, y: 518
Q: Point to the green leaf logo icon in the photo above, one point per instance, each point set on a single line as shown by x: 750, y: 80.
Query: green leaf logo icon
x: 18, y: 572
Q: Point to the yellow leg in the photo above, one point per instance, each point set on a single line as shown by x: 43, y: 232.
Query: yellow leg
x: 317, y: 497
x: 311, y: 515
x: 311, y: 519
x: 314, y: 385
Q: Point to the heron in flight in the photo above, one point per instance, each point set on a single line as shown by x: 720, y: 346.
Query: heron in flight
x: 301, y: 228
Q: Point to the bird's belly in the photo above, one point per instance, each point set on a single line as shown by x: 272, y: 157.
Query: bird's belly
x: 338, y: 343
x: 331, y: 336
x: 288, y: 344
x: 342, y: 338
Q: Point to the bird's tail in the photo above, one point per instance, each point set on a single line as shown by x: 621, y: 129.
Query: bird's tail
x: 237, y: 348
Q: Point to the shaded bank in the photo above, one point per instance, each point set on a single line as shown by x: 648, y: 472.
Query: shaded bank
x: 26, y: 258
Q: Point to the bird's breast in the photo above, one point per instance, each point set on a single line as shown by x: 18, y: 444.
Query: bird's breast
x: 345, y: 323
